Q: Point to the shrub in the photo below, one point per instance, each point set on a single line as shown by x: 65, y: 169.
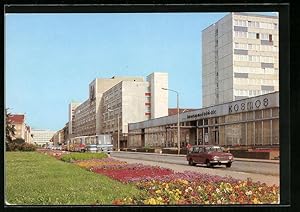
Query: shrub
x: 82, y: 156
x: 19, y: 145
x: 27, y: 147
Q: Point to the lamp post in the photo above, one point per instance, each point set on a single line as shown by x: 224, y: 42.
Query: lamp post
x: 178, y: 124
x: 118, y: 144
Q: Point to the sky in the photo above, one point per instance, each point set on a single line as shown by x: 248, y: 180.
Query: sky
x: 50, y: 59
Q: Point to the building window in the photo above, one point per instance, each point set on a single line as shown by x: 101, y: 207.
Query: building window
x: 266, y: 25
x: 270, y: 38
x: 253, y: 58
x: 240, y: 34
x: 241, y: 57
x: 240, y: 46
x: 264, y: 36
x: 257, y: 35
x: 251, y: 24
x: 252, y: 35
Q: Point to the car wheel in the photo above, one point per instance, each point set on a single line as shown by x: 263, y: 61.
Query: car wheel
x: 228, y: 165
x: 208, y: 164
x: 191, y: 163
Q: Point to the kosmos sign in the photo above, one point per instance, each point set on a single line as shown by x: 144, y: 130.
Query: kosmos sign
x: 249, y: 105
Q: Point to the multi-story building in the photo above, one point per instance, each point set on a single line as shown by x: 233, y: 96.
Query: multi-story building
x: 87, y: 118
x: 18, y: 122
x: 72, y: 107
x: 159, y: 98
x: 129, y: 98
x: 66, y: 132
x: 58, y: 137
x: 41, y: 137
x: 21, y: 129
x: 239, y: 58
x: 28, y: 136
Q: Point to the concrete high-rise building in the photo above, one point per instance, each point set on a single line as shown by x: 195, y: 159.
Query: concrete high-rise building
x: 131, y: 99
x: 159, y: 98
x: 88, y: 115
x: 72, y: 107
x: 239, y: 58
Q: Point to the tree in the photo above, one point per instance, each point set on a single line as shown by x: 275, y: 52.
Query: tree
x: 10, y: 128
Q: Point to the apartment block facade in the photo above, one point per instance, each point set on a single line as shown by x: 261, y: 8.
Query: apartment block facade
x: 58, y: 138
x: 130, y: 99
x: 72, y: 107
x: 239, y: 58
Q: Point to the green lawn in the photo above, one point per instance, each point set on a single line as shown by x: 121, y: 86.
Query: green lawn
x: 36, y: 179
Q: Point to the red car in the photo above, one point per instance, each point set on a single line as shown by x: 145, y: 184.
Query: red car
x: 210, y: 155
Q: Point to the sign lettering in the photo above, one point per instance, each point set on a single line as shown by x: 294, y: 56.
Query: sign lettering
x: 206, y: 113
x: 246, y: 106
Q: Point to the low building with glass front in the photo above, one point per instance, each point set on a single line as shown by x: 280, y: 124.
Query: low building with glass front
x: 247, y: 122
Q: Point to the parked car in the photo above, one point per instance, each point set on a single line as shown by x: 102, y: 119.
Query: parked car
x: 210, y: 155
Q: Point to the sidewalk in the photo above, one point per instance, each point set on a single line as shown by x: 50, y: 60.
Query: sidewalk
x: 183, y: 156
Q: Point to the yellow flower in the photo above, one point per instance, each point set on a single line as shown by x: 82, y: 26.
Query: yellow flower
x: 255, y: 201
x: 158, y: 191
x: 178, y: 191
x: 150, y: 201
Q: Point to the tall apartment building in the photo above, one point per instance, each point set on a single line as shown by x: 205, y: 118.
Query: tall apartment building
x: 72, y: 107
x: 159, y: 98
x: 239, y: 58
x: 131, y: 98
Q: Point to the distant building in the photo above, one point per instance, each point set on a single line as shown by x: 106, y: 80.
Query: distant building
x: 239, y: 58
x: 21, y: 129
x: 41, y: 137
x: 72, y: 107
x: 18, y: 122
x: 28, y: 136
x: 58, y: 138
x: 66, y: 132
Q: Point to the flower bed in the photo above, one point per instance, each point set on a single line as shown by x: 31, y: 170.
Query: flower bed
x: 164, y: 186
x: 181, y: 191
x: 132, y: 172
x: 82, y: 156
x: 100, y: 163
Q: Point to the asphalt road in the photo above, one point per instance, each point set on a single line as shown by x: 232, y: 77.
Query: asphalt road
x: 258, y: 171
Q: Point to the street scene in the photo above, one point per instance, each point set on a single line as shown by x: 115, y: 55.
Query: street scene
x: 173, y: 109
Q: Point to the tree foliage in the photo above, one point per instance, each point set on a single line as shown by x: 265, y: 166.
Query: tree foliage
x: 10, y: 128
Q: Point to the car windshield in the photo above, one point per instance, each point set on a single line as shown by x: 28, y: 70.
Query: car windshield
x: 214, y: 149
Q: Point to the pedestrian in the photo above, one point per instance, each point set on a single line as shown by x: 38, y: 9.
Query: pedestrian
x: 188, y: 147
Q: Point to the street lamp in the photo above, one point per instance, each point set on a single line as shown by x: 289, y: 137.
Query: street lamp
x: 118, y: 145
x: 178, y: 124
